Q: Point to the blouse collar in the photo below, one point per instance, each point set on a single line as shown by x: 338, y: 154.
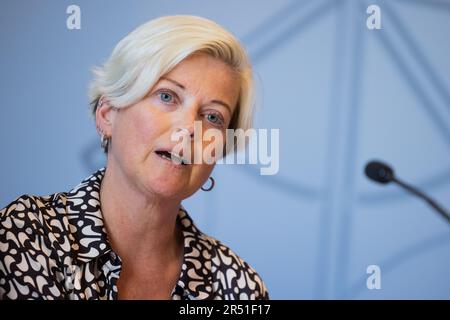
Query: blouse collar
x: 91, y: 241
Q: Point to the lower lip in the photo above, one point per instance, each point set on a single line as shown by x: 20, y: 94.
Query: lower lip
x: 171, y: 163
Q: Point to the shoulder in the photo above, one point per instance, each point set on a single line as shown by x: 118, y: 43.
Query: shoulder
x: 32, y: 211
x: 29, y: 249
x: 231, y: 276
x: 35, y: 222
x: 233, y: 271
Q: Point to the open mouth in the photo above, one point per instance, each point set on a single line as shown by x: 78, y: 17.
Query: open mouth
x: 171, y: 157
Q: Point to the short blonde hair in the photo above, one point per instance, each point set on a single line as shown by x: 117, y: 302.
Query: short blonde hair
x: 153, y: 49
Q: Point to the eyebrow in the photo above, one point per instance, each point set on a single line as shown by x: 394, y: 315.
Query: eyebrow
x: 223, y: 104
x: 174, y: 82
x: 213, y: 101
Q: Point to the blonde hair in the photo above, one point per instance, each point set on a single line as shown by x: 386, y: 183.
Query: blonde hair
x: 153, y: 49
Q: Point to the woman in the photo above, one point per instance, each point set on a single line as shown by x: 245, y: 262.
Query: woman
x: 122, y: 233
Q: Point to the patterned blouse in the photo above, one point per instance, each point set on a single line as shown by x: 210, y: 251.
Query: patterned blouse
x: 56, y: 247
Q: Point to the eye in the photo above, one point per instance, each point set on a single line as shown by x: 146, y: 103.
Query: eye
x: 214, y: 118
x: 165, y: 97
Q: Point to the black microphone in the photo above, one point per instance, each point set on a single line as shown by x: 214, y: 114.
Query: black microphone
x: 382, y: 173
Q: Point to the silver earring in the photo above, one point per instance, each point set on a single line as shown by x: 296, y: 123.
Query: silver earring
x: 104, y: 142
x: 211, y: 186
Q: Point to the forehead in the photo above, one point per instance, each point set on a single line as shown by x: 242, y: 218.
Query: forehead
x: 207, y: 76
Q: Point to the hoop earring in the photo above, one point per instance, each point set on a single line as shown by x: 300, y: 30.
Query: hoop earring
x: 211, y: 186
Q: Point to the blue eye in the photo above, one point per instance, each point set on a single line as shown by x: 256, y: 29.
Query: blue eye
x: 214, y: 118
x: 166, y: 97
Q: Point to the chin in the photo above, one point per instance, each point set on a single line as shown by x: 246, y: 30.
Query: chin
x: 167, y: 188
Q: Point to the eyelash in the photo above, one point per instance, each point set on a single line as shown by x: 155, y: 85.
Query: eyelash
x: 174, y: 96
x: 218, y: 115
x: 169, y: 92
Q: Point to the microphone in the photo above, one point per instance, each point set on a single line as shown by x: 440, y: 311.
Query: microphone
x: 382, y: 173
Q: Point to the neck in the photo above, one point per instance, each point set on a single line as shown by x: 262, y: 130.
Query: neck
x: 140, y: 227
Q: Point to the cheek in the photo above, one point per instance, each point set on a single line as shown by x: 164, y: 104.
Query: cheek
x: 136, y: 132
x: 145, y: 129
x: 214, y: 144
x: 203, y: 172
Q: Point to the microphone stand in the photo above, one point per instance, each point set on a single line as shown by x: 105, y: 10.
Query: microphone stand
x: 422, y: 195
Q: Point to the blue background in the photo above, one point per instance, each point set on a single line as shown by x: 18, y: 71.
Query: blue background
x: 339, y: 93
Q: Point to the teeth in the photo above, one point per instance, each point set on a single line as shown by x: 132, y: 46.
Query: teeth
x: 172, y: 157
x: 177, y: 158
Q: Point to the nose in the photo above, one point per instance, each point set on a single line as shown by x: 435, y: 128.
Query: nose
x: 185, y: 120
x: 186, y: 131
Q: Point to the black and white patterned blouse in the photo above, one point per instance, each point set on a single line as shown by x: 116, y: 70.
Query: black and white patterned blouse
x: 56, y: 247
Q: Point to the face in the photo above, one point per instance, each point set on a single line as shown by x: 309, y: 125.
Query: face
x: 200, y: 88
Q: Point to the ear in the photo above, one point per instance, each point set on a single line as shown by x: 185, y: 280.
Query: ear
x: 104, y: 118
